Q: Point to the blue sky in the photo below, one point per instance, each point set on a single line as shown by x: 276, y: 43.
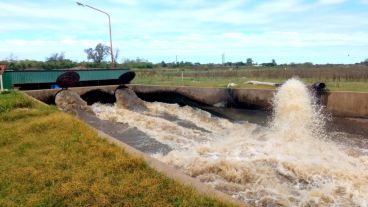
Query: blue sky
x: 318, y: 31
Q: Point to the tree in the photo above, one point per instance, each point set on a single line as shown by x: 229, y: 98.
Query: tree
x: 271, y: 64
x: 163, y: 64
x: 98, y: 54
x: 274, y: 62
x: 56, y: 57
x: 12, y: 58
x: 365, y: 62
x: 249, y: 61
x: 137, y: 63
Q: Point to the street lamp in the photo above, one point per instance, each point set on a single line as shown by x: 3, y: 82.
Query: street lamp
x: 111, y: 50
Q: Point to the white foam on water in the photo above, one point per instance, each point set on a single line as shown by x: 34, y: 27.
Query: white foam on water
x: 289, y: 163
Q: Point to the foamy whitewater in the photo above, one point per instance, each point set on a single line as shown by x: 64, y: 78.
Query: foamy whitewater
x: 289, y: 163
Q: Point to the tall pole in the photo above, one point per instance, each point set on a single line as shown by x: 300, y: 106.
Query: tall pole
x: 2, y: 69
x: 111, y: 49
x: 1, y: 83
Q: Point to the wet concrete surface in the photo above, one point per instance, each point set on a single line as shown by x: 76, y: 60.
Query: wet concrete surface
x: 351, y: 126
x: 180, y: 122
x: 123, y: 132
x: 350, y: 132
x: 260, y: 117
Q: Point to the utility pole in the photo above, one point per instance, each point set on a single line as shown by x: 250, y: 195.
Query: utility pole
x: 111, y: 50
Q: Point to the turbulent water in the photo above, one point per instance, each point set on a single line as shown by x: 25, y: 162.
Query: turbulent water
x: 292, y: 162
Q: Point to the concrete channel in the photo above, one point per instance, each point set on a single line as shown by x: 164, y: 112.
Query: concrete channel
x: 350, y: 105
x: 339, y: 104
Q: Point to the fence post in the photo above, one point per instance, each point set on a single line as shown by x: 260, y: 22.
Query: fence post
x: 1, y: 82
x: 2, y: 69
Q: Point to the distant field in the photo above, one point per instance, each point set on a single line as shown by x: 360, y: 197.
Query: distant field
x: 49, y: 158
x: 352, y: 78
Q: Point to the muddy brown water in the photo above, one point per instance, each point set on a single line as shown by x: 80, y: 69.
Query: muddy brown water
x: 294, y: 156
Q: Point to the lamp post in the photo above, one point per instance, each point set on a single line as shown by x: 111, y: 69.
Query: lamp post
x: 111, y: 50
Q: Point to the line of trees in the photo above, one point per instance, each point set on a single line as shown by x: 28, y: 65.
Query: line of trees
x: 55, y: 61
x: 96, y: 58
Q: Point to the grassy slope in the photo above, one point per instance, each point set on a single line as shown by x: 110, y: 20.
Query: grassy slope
x: 49, y: 158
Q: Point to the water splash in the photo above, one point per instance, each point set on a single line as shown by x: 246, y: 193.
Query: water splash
x: 295, y: 114
x: 289, y: 163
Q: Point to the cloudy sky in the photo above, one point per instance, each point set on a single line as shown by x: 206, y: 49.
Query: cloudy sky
x: 319, y: 31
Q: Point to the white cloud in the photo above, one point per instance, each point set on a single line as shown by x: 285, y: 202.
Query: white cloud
x: 191, y: 28
x: 126, y: 2
x: 40, y: 48
x: 330, y: 2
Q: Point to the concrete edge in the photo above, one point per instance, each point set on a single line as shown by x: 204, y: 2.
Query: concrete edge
x: 161, y: 167
x: 206, y: 87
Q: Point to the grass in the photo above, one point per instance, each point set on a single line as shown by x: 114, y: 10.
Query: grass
x: 49, y: 158
x: 221, y: 78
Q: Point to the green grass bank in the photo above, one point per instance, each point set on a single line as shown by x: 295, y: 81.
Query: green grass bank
x: 49, y: 158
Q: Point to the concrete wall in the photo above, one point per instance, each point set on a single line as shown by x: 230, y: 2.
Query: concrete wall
x: 345, y: 104
x: 209, y: 96
x: 254, y: 97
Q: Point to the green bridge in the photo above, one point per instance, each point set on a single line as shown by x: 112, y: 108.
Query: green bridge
x: 43, y: 79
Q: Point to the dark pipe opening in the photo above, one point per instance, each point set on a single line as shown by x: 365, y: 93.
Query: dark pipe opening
x: 319, y: 86
x: 98, y: 95
x: 169, y: 97
x: 50, y: 100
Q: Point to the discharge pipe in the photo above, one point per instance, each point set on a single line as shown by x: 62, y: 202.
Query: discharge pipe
x: 318, y: 87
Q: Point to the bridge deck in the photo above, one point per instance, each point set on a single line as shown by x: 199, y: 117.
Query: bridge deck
x: 42, y: 79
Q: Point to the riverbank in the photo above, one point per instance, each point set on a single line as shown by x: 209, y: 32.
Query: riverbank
x: 53, y: 159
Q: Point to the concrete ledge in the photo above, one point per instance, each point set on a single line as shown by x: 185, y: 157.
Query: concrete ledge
x: 347, y: 104
x: 342, y: 104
